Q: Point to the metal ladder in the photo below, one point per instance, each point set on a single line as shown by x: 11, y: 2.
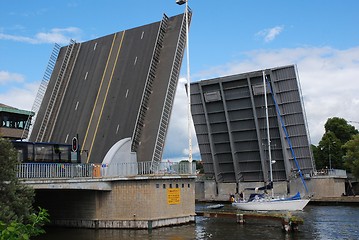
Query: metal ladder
x: 48, y: 118
x: 42, y: 89
x: 166, y: 112
x: 149, y: 82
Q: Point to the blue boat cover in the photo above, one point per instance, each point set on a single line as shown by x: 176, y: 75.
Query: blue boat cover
x: 295, y: 197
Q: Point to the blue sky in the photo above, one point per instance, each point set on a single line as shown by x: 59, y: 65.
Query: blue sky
x: 226, y: 37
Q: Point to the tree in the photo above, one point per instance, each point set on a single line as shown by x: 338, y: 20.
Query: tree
x: 316, y: 156
x: 352, y: 155
x: 18, y: 221
x: 16, y: 199
x: 340, y: 127
x: 329, y: 153
x: 199, y: 166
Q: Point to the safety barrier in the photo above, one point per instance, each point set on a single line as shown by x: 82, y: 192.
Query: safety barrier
x: 332, y: 172
x: 54, y: 170
x: 68, y: 170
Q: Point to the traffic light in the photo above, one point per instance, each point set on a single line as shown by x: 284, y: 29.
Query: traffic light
x: 74, y: 144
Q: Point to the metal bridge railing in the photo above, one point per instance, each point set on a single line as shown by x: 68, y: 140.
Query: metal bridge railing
x: 67, y: 170
x: 332, y: 172
x: 54, y: 170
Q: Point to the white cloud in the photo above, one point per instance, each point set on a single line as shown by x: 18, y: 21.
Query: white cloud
x: 177, y: 146
x: 6, y: 77
x: 270, y: 34
x: 17, y: 38
x: 20, y: 97
x: 55, y: 35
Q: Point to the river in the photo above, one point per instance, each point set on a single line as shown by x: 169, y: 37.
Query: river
x: 320, y: 222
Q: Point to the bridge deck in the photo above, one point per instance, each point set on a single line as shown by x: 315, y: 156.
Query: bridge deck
x: 107, y: 80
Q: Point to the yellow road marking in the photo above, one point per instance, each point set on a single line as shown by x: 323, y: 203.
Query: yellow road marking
x: 98, y: 93
x: 104, y: 102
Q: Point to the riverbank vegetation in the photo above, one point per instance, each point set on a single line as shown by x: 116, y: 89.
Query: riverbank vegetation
x: 18, y: 219
x: 339, y: 147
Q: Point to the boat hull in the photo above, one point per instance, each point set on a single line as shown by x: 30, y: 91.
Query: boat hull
x: 275, y: 205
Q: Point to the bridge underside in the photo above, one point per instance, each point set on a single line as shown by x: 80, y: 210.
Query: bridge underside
x: 230, y: 121
x: 114, y: 87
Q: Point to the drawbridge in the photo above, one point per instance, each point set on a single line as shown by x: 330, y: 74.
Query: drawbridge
x: 115, y: 91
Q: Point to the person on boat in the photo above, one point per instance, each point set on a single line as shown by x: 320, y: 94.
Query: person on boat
x: 241, y: 196
x: 232, y: 199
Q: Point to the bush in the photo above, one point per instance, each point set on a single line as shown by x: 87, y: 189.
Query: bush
x: 20, y: 231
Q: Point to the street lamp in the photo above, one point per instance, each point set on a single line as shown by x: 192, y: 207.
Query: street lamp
x: 181, y: 2
x: 330, y: 156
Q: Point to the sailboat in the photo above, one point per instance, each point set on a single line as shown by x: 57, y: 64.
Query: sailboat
x: 262, y: 202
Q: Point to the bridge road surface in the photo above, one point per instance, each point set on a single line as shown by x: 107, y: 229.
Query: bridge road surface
x: 124, y: 97
x: 107, y: 81
x: 104, y: 93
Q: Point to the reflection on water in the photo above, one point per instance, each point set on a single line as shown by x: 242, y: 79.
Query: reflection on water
x: 170, y: 233
x: 336, y: 222
x: 320, y: 222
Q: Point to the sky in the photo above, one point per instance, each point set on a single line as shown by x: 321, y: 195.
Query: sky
x: 226, y: 37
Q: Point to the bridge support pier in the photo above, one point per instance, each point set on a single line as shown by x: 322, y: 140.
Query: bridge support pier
x: 142, y: 202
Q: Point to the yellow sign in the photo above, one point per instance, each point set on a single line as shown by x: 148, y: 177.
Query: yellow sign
x: 173, y: 196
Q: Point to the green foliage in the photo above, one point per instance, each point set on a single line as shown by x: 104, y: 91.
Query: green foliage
x: 329, y: 152
x: 8, y: 160
x: 330, y: 149
x: 199, y: 166
x: 16, y: 199
x: 17, y: 217
x: 352, y: 155
x: 316, y: 153
x: 341, y: 129
x: 20, y: 231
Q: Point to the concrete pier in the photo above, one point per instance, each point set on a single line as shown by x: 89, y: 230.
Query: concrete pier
x: 140, y: 202
x: 321, y: 188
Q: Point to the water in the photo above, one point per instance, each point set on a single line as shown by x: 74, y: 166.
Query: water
x: 320, y: 222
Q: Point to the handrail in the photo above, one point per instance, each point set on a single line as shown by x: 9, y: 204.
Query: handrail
x: 41, y: 91
x: 54, y: 94
x: 89, y: 170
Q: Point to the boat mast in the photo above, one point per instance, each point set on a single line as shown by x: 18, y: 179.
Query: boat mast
x: 288, y: 140
x: 268, y: 133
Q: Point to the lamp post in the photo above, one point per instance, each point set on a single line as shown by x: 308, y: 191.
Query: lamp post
x: 330, y: 156
x: 180, y: 2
